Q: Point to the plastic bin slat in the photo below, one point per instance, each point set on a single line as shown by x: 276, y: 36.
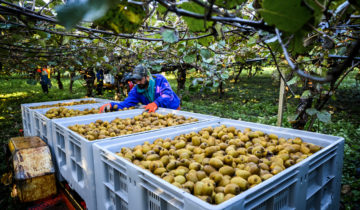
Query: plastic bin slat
x: 171, y: 199
x: 120, y: 194
x: 315, y: 189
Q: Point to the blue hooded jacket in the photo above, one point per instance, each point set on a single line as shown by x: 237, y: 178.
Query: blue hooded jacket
x: 164, y: 96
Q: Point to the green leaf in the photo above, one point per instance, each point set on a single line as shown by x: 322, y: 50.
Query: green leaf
x: 306, y: 94
x: 229, y: 4
x: 42, y: 43
x: 218, y: 28
x: 78, y: 62
x: 311, y: 111
x: 123, y: 18
x: 156, y: 68
x: 106, y: 59
x: 207, y: 61
x: 324, y: 116
x: 72, y: 13
x: 43, y: 35
x: 161, y: 9
x: 206, y: 41
x: 293, y: 80
x: 289, y: 16
x: 333, y: 97
x: 296, y: 44
x: 224, y: 76
x: 190, y: 58
x: 205, y: 54
x: 195, y: 25
x: 292, y: 118
x: 170, y: 36
x: 65, y: 40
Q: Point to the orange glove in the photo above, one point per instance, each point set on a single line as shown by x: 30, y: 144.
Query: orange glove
x: 152, y: 107
x: 104, y: 107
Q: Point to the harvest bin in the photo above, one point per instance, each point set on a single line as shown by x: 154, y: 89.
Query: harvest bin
x: 74, y: 153
x: 43, y: 125
x: 28, y: 116
x: 314, y: 183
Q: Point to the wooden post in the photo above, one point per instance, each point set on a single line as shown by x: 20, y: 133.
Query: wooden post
x: 281, y: 102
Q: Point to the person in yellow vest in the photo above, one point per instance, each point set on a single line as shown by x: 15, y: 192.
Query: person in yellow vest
x: 44, y: 79
x: 49, y: 74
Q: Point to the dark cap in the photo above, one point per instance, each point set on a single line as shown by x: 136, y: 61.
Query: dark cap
x: 139, y: 72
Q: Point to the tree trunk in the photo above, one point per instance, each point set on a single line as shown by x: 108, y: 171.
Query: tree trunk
x: 72, y: 75
x: 181, y: 79
x: 221, y: 89
x: 250, y: 70
x: 237, y: 76
x: 58, y: 78
x: 303, y: 117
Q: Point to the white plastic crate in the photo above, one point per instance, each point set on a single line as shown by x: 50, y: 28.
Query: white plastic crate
x: 43, y: 125
x: 313, y: 183
x: 74, y: 154
x: 28, y: 114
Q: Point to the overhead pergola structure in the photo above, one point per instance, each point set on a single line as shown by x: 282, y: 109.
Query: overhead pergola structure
x: 303, y: 34
x: 213, y: 12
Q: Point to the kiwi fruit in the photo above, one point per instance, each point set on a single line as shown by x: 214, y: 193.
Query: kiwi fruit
x: 140, y: 123
x: 214, y: 164
x: 64, y: 104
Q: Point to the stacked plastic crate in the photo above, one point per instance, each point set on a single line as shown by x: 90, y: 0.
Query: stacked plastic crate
x: 32, y: 127
x: 74, y: 153
x: 314, y: 183
x: 43, y: 124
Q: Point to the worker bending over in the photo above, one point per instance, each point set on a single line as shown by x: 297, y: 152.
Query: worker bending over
x: 151, y: 90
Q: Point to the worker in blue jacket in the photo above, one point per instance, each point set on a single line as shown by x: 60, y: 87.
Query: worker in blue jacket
x: 151, y: 90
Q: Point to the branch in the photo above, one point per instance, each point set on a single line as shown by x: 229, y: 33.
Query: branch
x: 278, y: 69
x: 327, y: 96
x: 345, y: 74
x: 45, y: 6
x: 205, y: 5
x: 81, y: 28
x: 52, y: 32
x: 181, y: 12
x: 295, y: 68
x: 114, y: 43
x: 335, y: 74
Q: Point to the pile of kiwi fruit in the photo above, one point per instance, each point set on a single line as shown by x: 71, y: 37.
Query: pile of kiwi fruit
x: 218, y: 163
x: 146, y: 121
x: 62, y: 112
x: 65, y: 104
